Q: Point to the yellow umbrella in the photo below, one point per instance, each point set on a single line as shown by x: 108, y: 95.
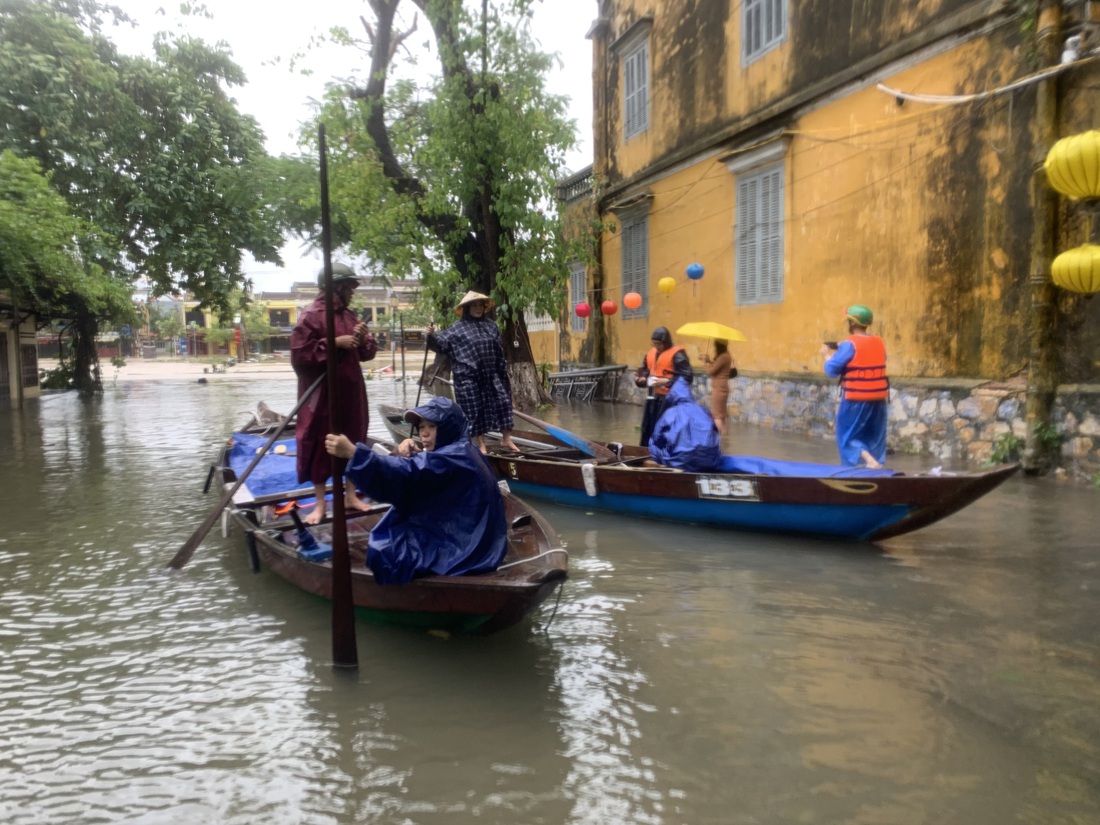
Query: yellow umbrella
x: 710, y: 329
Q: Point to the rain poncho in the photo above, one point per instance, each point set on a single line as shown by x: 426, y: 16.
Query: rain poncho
x: 447, y: 516
x: 685, y: 436
x: 309, y: 357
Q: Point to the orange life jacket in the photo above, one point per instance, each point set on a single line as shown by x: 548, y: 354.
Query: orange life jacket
x: 864, y: 377
x: 661, y: 365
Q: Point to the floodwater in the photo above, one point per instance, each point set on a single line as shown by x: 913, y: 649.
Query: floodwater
x: 688, y: 675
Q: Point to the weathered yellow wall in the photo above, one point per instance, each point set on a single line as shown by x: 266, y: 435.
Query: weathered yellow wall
x: 915, y: 210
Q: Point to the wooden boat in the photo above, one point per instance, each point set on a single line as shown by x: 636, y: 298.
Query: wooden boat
x: 535, y: 566
x: 821, y: 500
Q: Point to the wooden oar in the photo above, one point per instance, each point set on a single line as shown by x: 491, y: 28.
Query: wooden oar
x: 192, y: 544
x: 583, y: 444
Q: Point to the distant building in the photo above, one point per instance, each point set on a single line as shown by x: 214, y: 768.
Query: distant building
x: 18, y: 353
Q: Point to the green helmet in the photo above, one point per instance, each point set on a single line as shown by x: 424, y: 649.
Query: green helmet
x: 340, y: 272
x: 860, y: 315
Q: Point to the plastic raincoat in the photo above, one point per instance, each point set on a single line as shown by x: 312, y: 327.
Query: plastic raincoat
x: 685, y: 436
x: 447, y: 516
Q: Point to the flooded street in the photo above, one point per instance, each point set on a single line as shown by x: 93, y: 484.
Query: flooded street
x: 688, y: 675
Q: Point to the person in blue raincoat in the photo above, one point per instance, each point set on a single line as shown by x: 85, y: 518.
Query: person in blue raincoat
x: 685, y: 436
x: 447, y: 517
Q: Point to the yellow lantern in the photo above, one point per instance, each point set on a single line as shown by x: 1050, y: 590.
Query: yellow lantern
x: 666, y: 285
x: 1073, y: 166
x: 1078, y: 270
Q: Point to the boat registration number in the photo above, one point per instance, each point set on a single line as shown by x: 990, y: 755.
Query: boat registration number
x: 743, y: 489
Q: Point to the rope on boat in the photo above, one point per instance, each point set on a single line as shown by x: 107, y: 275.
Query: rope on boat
x: 534, y: 558
x: 557, y: 604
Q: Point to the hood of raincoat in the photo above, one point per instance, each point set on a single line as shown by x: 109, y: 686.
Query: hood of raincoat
x: 685, y: 436
x: 450, y: 421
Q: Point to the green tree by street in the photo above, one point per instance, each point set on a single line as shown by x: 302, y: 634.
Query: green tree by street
x: 454, y: 183
x: 150, y: 153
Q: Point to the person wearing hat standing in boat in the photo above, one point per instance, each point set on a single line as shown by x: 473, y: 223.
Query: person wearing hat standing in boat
x: 309, y: 357
x: 482, y: 387
x: 447, y: 517
x: 663, y: 363
x: 860, y: 364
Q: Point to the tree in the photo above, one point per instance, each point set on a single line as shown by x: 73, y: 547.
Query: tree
x: 151, y: 152
x: 454, y: 183
x: 46, y: 252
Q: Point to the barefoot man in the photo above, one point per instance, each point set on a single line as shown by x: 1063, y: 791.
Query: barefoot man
x: 309, y: 357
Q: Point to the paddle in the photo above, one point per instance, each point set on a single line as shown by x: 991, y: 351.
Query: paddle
x: 191, y: 545
x: 420, y: 386
x: 583, y: 444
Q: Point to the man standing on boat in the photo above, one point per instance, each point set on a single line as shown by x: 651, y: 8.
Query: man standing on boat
x: 309, y: 357
x: 447, y: 517
x: 860, y: 364
x: 663, y: 363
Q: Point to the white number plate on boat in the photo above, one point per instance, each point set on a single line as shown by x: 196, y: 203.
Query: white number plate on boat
x: 743, y: 489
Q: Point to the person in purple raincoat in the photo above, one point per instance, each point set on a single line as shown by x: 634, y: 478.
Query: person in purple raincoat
x: 309, y: 357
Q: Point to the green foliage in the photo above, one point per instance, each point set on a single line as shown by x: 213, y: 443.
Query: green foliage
x: 169, y: 180
x: 1006, y: 448
x: 60, y: 378
x: 1048, y: 435
x: 454, y: 184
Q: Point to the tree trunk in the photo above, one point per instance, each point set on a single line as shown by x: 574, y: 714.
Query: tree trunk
x: 528, y: 393
x: 87, y: 377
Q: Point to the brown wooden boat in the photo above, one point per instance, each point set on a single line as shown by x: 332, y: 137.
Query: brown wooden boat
x: 535, y: 566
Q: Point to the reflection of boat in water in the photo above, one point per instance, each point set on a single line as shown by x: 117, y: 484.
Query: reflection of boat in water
x: 535, y: 565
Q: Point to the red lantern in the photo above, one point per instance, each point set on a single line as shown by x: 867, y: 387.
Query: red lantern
x: 583, y: 310
x: 632, y: 300
x: 609, y: 307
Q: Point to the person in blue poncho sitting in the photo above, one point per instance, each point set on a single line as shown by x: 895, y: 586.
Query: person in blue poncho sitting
x: 447, y: 516
x: 685, y: 436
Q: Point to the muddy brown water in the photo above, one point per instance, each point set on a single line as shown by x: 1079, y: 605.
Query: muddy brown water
x: 689, y: 675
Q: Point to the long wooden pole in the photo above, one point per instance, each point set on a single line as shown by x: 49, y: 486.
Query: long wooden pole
x: 1043, y: 361
x: 344, y: 651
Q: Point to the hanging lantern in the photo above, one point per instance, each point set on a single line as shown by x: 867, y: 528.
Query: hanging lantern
x: 632, y: 300
x: 666, y: 285
x: 695, y: 271
x: 609, y: 307
x: 1073, y: 166
x: 1078, y: 270
x: 583, y: 310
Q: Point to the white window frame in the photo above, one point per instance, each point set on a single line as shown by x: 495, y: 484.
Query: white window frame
x: 578, y: 291
x: 634, y: 236
x: 763, y: 27
x: 635, y: 69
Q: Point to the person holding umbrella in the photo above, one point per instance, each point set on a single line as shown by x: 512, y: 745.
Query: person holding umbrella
x: 720, y: 370
x: 663, y: 363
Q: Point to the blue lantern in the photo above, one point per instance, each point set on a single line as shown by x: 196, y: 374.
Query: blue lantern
x: 695, y: 271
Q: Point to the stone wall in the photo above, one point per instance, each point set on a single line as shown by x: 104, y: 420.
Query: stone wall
x: 969, y: 422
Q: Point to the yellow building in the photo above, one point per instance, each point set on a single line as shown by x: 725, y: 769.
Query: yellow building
x: 814, y: 155
x: 18, y: 354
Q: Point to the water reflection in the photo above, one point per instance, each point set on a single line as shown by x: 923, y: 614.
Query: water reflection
x: 689, y: 675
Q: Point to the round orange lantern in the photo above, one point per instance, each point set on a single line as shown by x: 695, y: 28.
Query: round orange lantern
x: 1078, y: 270
x: 666, y: 285
x: 632, y: 300
x: 583, y: 310
x: 609, y: 307
x: 1073, y: 166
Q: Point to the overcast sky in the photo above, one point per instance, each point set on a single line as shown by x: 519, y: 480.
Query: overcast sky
x: 265, y: 37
